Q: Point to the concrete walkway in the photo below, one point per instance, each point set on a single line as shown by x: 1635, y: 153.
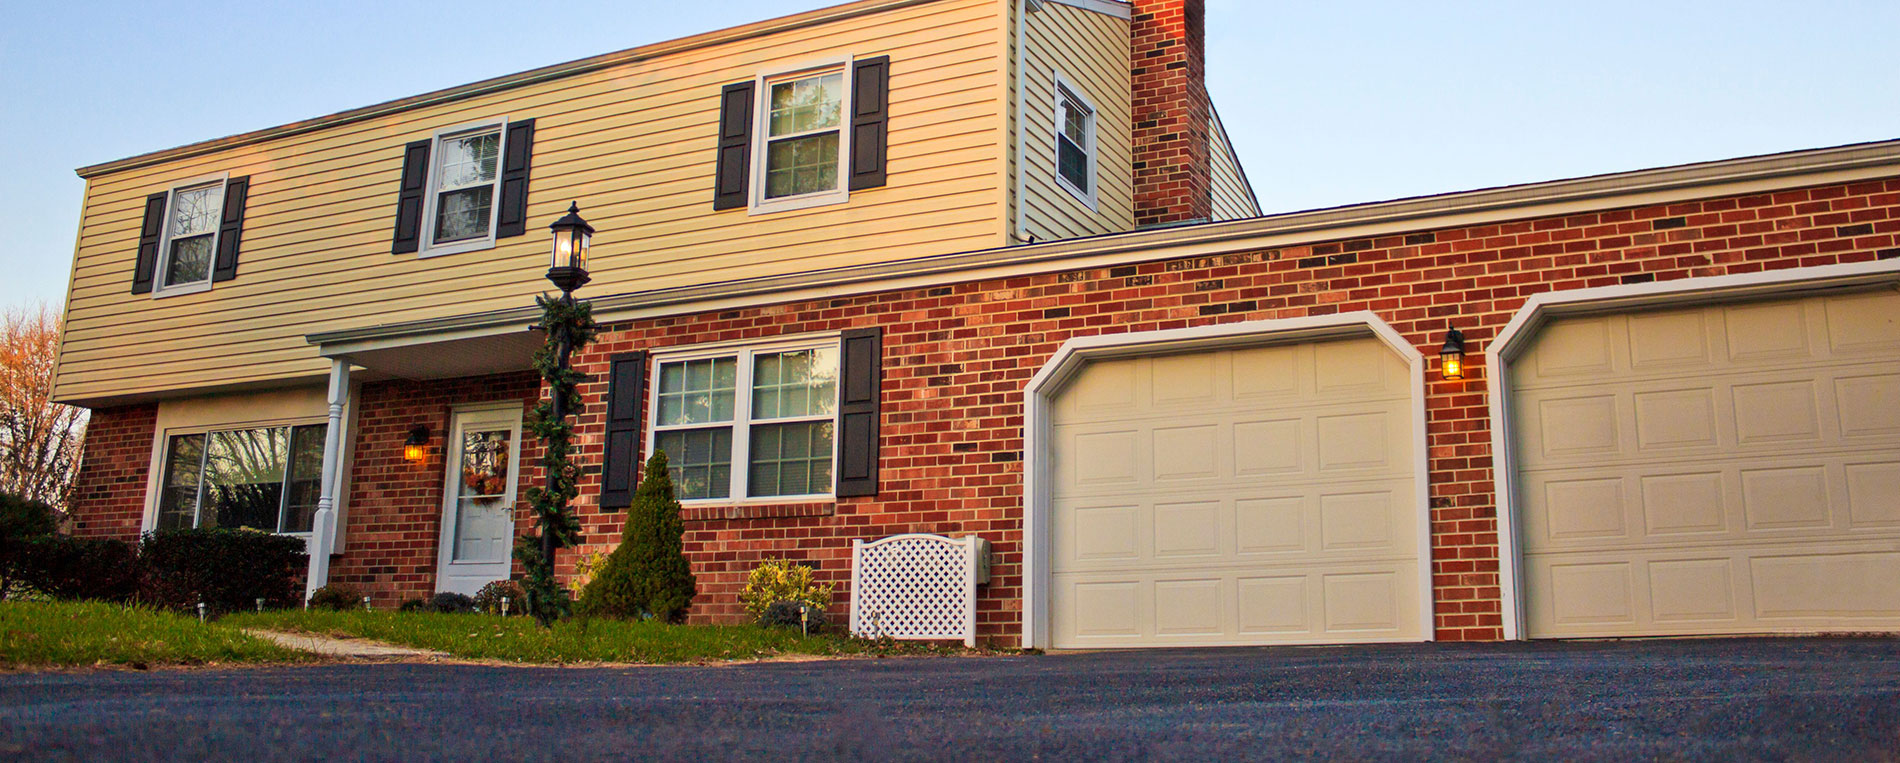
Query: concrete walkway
x: 358, y: 649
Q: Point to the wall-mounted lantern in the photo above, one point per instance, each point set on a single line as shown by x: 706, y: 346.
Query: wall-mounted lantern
x: 1451, y: 357
x: 416, y: 448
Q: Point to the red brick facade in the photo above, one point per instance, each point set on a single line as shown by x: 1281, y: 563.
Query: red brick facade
x: 1173, y: 113
x: 957, y: 357
x: 109, y: 499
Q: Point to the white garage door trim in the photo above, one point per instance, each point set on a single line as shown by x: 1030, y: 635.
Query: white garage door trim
x: 1076, y: 353
x: 1541, y: 308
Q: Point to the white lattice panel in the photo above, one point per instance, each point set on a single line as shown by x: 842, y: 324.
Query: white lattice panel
x: 916, y: 587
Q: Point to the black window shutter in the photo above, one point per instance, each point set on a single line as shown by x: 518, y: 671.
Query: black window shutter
x: 863, y: 368
x: 148, y: 242
x: 626, y: 400
x: 518, y: 149
x: 231, y: 228
x: 735, y: 146
x: 415, y: 175
x: 870, y: 120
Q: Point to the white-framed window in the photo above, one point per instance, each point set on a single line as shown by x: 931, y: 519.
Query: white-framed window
x: 262, y: 477
x: 801, y: 141
x: 748, y: 423
x: 464, y: 189
x: 1075, y: 142
x: 188, y: 243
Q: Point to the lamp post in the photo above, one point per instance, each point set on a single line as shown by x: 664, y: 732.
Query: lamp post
x: 568, y: 272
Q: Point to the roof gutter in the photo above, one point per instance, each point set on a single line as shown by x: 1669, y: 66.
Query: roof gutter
x: 506, y: 82
x: 1313, y: 224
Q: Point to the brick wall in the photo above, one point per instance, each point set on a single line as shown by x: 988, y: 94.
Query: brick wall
x: 109, y: 494
x: 1173, y: 115
x: 395, y: 513
x: 956, y: 359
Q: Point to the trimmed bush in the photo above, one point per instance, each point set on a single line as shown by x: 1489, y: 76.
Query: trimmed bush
x: 229, y: 570
x: 65, y: 567
x: 338, y: 597
x: 446, y: 602
x: 21, y: 520
x: 791, y: 614
x: 647, y: 575
x: 489, y: 598
x: 780, y: 580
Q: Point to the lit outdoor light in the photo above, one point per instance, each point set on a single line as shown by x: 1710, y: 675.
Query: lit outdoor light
x: 1451, y: 357
x: 572, y: 238
x: 416, y: 448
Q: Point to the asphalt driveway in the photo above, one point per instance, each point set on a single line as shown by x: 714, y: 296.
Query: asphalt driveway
x: 1810, y: 699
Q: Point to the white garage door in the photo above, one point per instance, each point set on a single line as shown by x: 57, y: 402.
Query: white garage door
x: 1726, y: 469
x: 1250, y: 496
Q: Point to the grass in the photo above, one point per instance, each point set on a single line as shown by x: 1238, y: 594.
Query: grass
x: 520, y: 639
x: 83, y: 633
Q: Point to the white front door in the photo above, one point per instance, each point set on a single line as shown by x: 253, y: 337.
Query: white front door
x: 478, y: 527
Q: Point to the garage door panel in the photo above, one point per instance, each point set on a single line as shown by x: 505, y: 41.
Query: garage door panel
x: 1261, y: 495
x: 1721, y: 469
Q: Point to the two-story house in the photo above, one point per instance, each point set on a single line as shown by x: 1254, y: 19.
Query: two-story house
x: 991, y: 267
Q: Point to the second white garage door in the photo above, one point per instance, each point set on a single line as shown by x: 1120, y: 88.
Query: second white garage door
x: 1250, y: 496
x: 1725, y: 469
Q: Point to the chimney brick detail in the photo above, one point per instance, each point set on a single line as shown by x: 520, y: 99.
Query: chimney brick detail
x: 1173, y: 116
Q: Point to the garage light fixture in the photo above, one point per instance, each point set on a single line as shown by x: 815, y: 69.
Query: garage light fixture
x: 416, y: 447
x: 1451, y: 357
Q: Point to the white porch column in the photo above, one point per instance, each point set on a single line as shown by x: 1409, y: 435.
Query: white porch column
x: 323, y: 531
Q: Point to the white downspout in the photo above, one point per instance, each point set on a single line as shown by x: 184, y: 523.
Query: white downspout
x: 323, y: 530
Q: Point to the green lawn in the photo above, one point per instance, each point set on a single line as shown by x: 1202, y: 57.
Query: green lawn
x: 519, y: 639
x: 79, y: 634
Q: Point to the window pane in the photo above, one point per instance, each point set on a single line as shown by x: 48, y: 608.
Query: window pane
x: 699, y: 460
x: 304, y: 483
x: 696, y: 391
x: 178, y: 501
x: 485, y: 460
x: 811, y: 103
x: 797, y: 166
x: 468, y: 160
x: 190, y: 260
x: 484, y: 518
x: 1073, y: 164
x: 798, y: 383
x: 244, y: 478
x: 196, y: 210
x: 790, y: 459
x: 463, y: 214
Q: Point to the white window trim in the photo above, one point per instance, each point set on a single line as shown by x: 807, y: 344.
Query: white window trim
x: 159, y: 262
x: 1064, y: 91
x: 741, y: 423
x: 161, y: 454
x: 427, y: 246
x: 761, y: 122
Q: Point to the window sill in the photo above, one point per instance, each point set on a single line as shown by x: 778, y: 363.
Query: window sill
x: 1087, y: 199
x: 458, y: 247
x: 807, y: 201
x: 708, y: 513
x: 179, y: 291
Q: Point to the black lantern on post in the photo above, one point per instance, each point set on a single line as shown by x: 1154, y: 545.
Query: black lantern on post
x: 1451, y: 357
x: 572, y: 238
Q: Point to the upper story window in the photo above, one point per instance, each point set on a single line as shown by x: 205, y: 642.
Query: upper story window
x: 191, y: 237
x: 802, y: 136
x: 464, y: 188
x: 263, y: 478
x: 1075, y: 142
x: 748, y: 423
x: 463, y: 180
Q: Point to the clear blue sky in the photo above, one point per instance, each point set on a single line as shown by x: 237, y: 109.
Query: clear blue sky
x: 1328, y: 102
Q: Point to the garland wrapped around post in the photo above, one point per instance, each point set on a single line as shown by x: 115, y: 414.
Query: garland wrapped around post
x: 569, y: 326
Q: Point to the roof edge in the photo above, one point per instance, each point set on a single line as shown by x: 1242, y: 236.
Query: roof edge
x: 504, y: 82
x: 1791, y: 164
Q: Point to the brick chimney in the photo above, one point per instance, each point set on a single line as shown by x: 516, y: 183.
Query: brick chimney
x: 1173, y: 116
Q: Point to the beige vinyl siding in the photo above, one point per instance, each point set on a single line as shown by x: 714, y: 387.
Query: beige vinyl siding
x: 633, y: 144
x: 1233, y: 195
x: 1090, y: 50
